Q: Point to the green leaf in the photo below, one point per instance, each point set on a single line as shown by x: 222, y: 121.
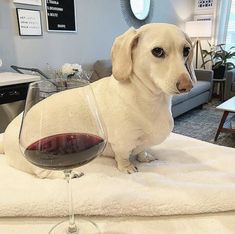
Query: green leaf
x: 230, y: 65
x: 217, y: 64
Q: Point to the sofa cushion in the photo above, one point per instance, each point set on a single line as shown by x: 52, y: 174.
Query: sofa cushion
x: 94, y: 77
x: 103, y: 68
x: 200, y: 87
x: 179, y: 98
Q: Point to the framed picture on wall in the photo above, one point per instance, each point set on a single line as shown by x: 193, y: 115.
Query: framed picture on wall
x: 29, y: 22
x: 61, y: 16
x: 29, y: 2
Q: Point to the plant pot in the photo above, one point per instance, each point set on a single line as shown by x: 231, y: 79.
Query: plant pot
x: 218, y: 72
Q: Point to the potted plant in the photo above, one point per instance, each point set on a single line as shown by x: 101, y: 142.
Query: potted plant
x: 220, y: 59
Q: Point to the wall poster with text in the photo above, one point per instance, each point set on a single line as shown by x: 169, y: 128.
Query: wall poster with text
x: 61, y: 15
x: 29, y: 22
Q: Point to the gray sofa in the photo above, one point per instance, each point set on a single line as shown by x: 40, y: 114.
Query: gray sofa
x: 229, y: 90
x: 199, y: 95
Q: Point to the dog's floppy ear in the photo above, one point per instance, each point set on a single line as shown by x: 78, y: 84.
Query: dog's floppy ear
x: 121, y: 54
x: 189, y: 61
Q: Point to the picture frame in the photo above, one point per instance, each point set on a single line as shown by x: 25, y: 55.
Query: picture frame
x: 29, y: 22
x: 29, y: 2
x: 61, y: 16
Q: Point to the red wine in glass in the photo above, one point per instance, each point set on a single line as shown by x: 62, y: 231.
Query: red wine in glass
x: 63, y: 140
x: 64, y: 151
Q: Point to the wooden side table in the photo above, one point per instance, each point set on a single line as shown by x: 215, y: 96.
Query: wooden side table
x: 14, y: 86
x: 225, y: 124
x: 221, y: 83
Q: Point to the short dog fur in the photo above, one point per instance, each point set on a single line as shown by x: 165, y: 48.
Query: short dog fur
x: 150, y: 64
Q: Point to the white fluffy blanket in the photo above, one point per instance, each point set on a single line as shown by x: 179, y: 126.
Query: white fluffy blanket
x: 190, y: 177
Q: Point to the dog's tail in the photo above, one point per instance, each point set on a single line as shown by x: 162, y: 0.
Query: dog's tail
x: 1, y: 144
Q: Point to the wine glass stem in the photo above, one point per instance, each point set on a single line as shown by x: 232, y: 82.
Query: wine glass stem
x: 72, y: 229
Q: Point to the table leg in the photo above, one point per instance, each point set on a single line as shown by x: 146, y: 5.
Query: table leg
x: 222, y: 91
x: 224, y: 117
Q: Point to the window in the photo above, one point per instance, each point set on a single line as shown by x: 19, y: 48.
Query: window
x: 230, y: 39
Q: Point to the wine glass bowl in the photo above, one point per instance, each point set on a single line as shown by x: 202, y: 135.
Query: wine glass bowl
x: 61, y: 128
x: 64, y: 150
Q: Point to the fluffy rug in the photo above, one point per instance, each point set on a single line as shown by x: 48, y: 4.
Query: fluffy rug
x: 203, y: 123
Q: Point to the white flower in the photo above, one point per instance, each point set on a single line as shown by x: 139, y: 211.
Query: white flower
x: 70, y: 69
x: 77, y: 67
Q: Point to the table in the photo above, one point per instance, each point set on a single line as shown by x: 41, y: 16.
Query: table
x: 14, y: 86
x: 225, y: 124
x: 221, y: 83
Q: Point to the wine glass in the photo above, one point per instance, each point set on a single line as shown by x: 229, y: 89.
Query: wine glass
x: 62, y: 129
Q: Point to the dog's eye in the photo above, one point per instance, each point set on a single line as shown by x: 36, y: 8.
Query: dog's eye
x: 186, y: 51
x: 158, y: 52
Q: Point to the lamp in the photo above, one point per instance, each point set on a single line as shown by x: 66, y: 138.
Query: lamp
x: 199, y: 29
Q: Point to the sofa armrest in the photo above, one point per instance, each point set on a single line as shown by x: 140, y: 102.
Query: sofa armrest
x: 230, y: 78
x: 204, y: 75
x: 230, y: 75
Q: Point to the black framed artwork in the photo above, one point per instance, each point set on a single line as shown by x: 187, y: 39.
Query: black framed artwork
x: 29, y: 22
x: 61, y: 15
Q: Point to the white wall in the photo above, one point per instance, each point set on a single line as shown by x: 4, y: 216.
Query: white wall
x: 98, y: 22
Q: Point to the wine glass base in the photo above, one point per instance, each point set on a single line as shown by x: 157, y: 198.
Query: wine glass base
x: 83, y: 227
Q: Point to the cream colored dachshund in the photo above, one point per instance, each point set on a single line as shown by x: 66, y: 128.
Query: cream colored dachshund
x: 150, y: 64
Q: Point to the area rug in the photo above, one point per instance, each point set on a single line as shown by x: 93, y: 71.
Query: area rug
x: 203, y: 123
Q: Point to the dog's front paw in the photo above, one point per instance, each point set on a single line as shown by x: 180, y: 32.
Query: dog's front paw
x: 128, y: 168
x: 145, y: 157
x: 124, y: 164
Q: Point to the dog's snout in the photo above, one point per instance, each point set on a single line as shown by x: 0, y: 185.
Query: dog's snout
x: 184, y: 84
